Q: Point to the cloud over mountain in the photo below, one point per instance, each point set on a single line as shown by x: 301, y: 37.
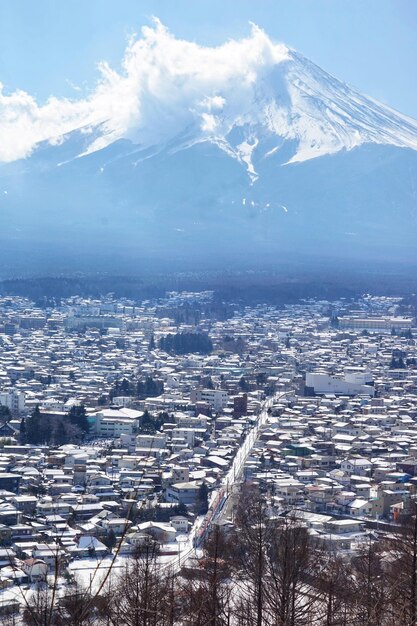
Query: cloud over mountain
x: 165, y: 84
x: 167, y: 87
x: 194, y: 152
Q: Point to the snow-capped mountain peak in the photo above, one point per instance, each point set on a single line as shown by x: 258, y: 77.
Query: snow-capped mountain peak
x: 297, y: 101
x: 209, y: 153
x: 253, y: 88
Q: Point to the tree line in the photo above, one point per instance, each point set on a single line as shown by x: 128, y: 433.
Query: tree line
x: 42, y: 428
x: 149, y: 423
x: 148, y: 387
x: 186, y: 343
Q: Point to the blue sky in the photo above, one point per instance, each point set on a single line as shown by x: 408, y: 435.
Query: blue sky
x: 49, y: 46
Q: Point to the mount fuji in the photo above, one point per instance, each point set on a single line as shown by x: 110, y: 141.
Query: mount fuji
x: 247, y: 151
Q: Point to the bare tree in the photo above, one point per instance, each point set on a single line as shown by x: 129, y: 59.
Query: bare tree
x: 333, y: 582
x: 401, y: 570
x: 141, y: 593
x: 207, y: 594
x: 370, y: 586
x: 9, y: 616
x: 252, y: 540
x: 77, y: 607
x: 37, y: 610
x: 288, y: 597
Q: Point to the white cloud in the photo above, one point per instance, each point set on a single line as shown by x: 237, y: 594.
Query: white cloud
x: 165, y: 85
x: 208, y: 123
x: 214, y: 103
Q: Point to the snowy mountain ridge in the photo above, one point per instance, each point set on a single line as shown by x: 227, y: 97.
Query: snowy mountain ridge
x: 169, y: 88
x: 299, y: 102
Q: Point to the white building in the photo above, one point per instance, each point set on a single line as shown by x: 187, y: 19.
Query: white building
x: 14, y: 400
x: 217, y: 398
x: 113, y: 423
x: 185, y: 493
x: 326, y: 384
x: 180, y: 523
x: 376, y: 324
x: 36, y: 569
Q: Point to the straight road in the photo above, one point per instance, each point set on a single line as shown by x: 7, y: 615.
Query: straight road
x: 221, y: 500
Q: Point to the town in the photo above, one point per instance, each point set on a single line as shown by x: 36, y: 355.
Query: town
x: 126, y: 422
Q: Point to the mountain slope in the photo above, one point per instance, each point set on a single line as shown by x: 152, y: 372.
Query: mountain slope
x: 303, y: 164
